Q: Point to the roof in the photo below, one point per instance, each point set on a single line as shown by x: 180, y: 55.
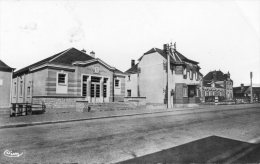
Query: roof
x: 66, y: 57
x: 175, y: 55
x: 5, y: 67
x: 133, y: 69
x: 175, y: 58
x: 245, y: 89
x: 219, y: 76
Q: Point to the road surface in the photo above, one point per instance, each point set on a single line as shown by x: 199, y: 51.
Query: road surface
x: 118, y: 139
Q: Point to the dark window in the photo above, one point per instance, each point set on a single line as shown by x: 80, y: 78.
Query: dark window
x: 21, y: 88
x: 129, y: 77
x: 92, y: 90
x: 105, y: 91
x: 84, y: 85
x: 129, y: 93
x: 116, y: 83
x: 97, y: 90
x: 95, y: 79
x: 84, y: 89
x: 28, y: 91
x: 62, y: 78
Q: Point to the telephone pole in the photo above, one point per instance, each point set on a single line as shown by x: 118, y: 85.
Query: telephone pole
x: 251, y: 86
x: 168, y: 77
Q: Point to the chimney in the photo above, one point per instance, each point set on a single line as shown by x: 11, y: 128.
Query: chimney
x: 166, y: 47
x: 92, y: 54
x: 132, y: 63
x: 242, y: 86
x: 83, y: 50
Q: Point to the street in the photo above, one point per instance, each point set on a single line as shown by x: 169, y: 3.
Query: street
x: 118, y: 139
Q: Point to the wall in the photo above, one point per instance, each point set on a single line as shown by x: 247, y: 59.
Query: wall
x: 5, y: 89
x: 152, y: 78
x: 132, y: 85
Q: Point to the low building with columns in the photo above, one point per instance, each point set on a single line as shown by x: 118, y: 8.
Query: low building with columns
x: 69, y: 76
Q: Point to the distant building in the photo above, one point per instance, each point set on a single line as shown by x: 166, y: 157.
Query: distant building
x: 243, y: 93
x: 148, y: 78
x: 67, y: 77
x: 216, y: 83
x: 5, y: 85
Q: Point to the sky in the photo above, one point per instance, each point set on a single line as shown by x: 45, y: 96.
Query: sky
x: 220, y: 35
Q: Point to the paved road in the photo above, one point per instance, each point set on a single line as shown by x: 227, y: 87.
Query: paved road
x: 119, y: 139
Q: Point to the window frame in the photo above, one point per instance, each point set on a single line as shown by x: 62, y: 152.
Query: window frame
x: 185, y: 92
x: 65, y: 80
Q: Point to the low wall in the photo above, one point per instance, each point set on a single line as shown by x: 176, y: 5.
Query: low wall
x: 138, y: 101
x: 58, y: 104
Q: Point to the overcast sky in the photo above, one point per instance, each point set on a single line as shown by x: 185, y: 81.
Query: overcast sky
x: 219, y: 34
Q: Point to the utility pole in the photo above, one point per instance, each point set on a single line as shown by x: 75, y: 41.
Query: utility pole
x: 168, y: 76
x: 251, y: 86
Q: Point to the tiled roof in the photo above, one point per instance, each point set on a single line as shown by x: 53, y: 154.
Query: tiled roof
x: 66, y: 57
x: 5, y: 67
x: 133, y: 69
x: 175, y: 55
x: 219, y: 76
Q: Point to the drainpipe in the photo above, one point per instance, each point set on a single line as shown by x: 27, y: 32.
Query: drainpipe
x: 113, y: 87
x: 11, y: 88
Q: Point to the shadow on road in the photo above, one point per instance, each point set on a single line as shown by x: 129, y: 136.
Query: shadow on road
x: 213, y: 149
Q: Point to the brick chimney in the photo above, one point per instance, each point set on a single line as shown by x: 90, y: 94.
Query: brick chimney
x: 83, y: 50
x: 242, y: 86
x: 92, y: 54
x: 132, y: 63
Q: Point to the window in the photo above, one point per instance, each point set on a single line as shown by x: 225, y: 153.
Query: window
x: 62, y: 78
x: 84, y: 85
x: 129, y: 93
x: 28, y: 91
x: 105, y: 91
x: 129, y: 77
x: 15, y: 91
x: 21, y: 88
x: 116, y: 83
x: 185, y: 92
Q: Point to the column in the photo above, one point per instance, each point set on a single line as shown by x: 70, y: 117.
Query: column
x: 101, y: 89
x: 88, y: 89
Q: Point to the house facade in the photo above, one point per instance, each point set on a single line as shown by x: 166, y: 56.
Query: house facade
x: 152, y: 78
x: 69, y: 76
x: 5, y: 85
x: 242, y: 94
x: 217, y: 84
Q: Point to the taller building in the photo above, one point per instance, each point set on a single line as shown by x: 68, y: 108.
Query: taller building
x: 151, y: 77
x: 216, y: 83
x: 5, y: 85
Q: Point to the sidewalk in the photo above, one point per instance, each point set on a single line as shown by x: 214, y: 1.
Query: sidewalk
x: 51, y: 118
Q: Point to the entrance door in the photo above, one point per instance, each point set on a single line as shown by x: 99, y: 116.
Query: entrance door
x: 95, y: 92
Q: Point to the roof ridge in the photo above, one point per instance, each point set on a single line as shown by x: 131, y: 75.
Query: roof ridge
x: 60, y: 54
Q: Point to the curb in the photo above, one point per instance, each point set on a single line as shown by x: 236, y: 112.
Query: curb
x: 192, y: 110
